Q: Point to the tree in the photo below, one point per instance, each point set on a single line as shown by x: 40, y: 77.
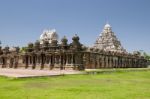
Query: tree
x: 147, y: 56
x: 23, y: 49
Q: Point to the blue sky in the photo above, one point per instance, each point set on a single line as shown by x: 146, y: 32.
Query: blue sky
x: 22, y: 21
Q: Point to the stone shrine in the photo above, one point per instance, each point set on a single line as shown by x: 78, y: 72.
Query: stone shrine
x: 108, y: 41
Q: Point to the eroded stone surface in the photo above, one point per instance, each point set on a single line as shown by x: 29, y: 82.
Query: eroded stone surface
x: 108, y: 41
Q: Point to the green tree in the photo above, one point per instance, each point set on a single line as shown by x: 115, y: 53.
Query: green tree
x: 23, y: 49
x: 146, y: 55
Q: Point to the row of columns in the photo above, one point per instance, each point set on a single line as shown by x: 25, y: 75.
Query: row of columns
x: 9, y: 62
x: 51, y: 60
x: 94, y: 60
x: 36, y: 61
x: 74, y: 60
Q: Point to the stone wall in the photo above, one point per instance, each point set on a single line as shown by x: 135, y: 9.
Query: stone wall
x: 93, y: 60
x: 67, y: 56
x: 77, y: 60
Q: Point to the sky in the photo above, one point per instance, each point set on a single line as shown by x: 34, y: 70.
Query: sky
x: 22, y: 21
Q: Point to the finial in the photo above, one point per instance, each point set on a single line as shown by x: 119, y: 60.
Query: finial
x: 107, y: 25
x: 76, y: 35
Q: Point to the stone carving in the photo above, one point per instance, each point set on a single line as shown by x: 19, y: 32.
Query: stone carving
x: 108, y: 41
x: 48, y: 35
x: 75, y: 45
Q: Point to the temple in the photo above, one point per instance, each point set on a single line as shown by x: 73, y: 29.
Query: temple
x: 48, y: 53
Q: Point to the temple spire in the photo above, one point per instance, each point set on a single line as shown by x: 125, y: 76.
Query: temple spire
x: 108, y: 40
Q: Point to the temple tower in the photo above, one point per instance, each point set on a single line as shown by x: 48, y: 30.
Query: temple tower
x: 49, y: 36
x: 108, y: 41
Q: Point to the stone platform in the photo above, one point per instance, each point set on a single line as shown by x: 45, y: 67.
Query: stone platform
x: 23, y: 73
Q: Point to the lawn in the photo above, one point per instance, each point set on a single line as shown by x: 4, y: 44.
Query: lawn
x: 114, y: 85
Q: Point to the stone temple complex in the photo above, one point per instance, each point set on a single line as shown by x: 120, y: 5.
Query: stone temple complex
x: 47, y: 53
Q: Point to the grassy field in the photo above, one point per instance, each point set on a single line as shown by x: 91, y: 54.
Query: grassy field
x: 115, y: 85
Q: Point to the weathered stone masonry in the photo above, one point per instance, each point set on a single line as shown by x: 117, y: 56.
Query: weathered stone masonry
x: 67, y: 56
x: 49, y: 54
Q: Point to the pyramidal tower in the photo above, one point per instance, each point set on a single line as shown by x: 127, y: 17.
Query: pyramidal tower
x: 108, y: 41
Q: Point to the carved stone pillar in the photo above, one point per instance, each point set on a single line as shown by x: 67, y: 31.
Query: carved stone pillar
x: 34, y: 62
x: 42, y: 61
x: 16, y: 61
x: 26, y: 61
x: 51, y: 61
x: 106, y: 62
x: 11, y: 62
x: 61, y: 61
x: 103, y: 61
x: 99, y: 62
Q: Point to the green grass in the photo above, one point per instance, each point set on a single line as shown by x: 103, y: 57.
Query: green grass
x: 114, y: 85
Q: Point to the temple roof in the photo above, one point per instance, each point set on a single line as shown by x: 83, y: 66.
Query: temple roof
x: 48, y: 35
x: 108, y: 41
